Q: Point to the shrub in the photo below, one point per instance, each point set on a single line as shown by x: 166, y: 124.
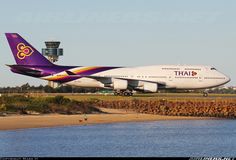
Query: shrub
x: 39, y: 105
x: 61, y: 100
x: 2, y: 107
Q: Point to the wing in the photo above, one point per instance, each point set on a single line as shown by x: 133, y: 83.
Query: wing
x: 108, y: 80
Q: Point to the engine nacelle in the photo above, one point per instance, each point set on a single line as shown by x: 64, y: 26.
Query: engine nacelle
x: 150, y: 87
x: 119, y: 84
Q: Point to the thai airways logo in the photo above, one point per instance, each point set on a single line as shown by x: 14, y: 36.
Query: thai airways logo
x: 185, y: 73
x: 194, y: 73
x: 24, y: 51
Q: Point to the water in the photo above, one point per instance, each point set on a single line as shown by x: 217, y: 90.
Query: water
x: 145, y: 139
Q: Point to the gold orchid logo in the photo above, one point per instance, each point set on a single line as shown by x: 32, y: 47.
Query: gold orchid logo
x: 24, y: 51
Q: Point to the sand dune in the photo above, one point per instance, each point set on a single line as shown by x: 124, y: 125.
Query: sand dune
x: 53, y: 120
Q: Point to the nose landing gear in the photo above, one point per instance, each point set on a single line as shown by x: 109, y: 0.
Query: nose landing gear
x: 205, y: 94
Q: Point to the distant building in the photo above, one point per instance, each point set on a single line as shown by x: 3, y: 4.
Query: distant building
x: 52, y: 52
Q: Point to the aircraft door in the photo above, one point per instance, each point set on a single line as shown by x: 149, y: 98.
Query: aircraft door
x: 170, y: 77
x: 200, y: 77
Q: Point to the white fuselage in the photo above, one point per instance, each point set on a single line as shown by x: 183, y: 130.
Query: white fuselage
x: 169, y: 76
x: 30, y: 62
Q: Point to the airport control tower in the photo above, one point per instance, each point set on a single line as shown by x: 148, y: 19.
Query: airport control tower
x: 52, y: 52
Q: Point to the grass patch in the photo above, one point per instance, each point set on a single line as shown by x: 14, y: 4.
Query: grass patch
x: 58, y: 104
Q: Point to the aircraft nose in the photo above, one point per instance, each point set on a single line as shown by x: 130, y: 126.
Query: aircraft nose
x: 227, y: 79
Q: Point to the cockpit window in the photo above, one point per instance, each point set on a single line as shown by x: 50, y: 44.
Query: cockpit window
x: 213, y: 69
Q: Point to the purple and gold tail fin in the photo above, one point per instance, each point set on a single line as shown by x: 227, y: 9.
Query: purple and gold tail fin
x: 24, y: 53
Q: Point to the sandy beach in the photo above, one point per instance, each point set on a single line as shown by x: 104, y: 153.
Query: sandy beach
x: 111, y: 116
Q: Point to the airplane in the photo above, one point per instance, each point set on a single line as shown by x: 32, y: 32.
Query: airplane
x: 122, y: 80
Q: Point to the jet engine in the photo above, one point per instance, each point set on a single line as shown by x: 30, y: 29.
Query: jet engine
x: 147, y: 86
x: 119, y: 84
x: 150, y: 87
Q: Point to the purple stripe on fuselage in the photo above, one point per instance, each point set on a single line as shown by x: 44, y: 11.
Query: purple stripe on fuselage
x: 85, y: 73
x: 43, y: 71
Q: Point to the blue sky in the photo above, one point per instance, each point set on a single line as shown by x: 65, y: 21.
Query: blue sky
x: 123, y: 33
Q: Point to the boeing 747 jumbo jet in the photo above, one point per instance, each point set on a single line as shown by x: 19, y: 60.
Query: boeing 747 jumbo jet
x: 123, y: 80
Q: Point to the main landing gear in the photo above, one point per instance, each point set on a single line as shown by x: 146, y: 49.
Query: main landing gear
x: 205, y: 94
x: 123, y: 93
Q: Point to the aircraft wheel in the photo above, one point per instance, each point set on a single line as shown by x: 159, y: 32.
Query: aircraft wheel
x: 205, y: 94
x: 126, y: 93
x: 117, y: 93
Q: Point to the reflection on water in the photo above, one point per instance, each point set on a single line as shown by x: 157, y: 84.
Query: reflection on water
x: 159, y: 138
